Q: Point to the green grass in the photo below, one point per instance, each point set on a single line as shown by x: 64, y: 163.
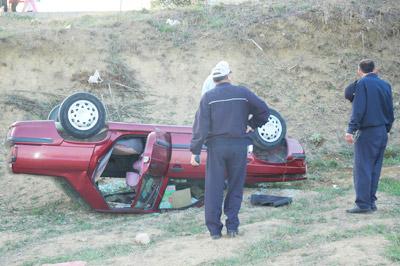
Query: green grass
x: 43, y: 223
x: 324, y: 164
x: 161, y: 26
x: 217, y: 23
x: 324, y: 159
x: 390, y: 186
x: 180, y: 224
x: 89, y: 254
x: 392, y: 156
x: 269, y: 246
x: 49, y: 221
x: 18, y: 16
x: 329, y: 193
x: 303, y: 211
x: 393, y: 250
x: 278, y: 242
x: 279, y: 9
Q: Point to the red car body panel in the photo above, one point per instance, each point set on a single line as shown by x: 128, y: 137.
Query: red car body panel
x: 36, y: 147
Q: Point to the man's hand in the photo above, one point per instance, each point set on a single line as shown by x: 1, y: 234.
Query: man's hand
x: 349, y: 138
x: 249, y: 129
x: 193, y: 160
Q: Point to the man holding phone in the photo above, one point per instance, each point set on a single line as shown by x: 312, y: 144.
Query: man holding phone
x: 371, y: 121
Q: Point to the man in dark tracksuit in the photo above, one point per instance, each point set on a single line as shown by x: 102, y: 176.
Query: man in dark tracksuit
x: 371, y: 121
x: 222, y: 122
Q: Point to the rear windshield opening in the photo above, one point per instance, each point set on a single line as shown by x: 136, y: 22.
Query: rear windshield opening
x: 275, y: 155
x: 117, y: 174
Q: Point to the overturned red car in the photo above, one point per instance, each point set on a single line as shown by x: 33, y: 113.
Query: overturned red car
x: 133, y: 168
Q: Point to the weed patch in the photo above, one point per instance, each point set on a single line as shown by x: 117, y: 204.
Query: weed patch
x: 392, y: 156
x: 182, y: 224
x: 317, y: 139
x: 162, y: 27
x: 393, y: 250
x: 390, y: 186
x: 32, y: 108
x: 325, y: 160
x: 270, y: 246
x: 89, y: 254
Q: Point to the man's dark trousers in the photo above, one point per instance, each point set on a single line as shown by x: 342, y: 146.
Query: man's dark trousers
x: 368, y: 157
x: 225, y: 157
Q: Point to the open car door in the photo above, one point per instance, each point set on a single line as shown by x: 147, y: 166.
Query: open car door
x: 153, y: 167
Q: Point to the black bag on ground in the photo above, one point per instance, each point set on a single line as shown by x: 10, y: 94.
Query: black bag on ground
x: 268, y: 200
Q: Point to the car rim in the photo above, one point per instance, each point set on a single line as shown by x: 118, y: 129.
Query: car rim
x: 83, y: 115
x: 272, y: 130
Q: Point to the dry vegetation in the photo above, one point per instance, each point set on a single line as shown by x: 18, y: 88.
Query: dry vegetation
x: 297, y: 55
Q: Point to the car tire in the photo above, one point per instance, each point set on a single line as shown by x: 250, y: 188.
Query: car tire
x: 82, y: 115
x: 53, y: 115
x: 272, y: 133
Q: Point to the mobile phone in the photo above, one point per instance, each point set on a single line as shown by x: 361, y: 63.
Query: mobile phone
x: 197, y: 158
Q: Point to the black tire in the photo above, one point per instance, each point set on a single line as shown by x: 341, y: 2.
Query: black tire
x: 53, y: 115
x: 267, y: 137
x: 82, y: 115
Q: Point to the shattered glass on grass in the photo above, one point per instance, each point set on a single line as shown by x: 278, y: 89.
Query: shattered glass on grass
x: 109, y: 186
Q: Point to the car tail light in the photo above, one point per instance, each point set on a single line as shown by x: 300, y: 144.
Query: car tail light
x: 13, y: 155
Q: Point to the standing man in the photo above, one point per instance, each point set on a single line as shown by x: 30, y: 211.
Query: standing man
x: 371, y: 121
x: 222, y: 123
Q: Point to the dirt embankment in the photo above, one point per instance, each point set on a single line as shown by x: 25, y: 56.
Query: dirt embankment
x: 298, y: 57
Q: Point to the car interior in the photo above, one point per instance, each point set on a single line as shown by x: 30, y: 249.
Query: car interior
x: 117, y: 178
x: 117, y: 174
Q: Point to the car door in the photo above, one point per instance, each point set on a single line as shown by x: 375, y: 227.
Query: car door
x: 153, y: 167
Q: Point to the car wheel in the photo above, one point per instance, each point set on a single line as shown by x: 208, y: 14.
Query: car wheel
x: 82, y: 115
x: 272, y: 133
x: 53, y: 115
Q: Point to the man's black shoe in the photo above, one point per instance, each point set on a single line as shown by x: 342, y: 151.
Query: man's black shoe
x: 374, y: 208
x: 358, y: 210
x: 215, y: 237
x: 232, y: 234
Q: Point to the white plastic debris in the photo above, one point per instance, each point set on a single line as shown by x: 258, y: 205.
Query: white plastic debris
x: 249, y: 149
x: 95, y: 78
x: 142, y: 238
x: 173, y: 22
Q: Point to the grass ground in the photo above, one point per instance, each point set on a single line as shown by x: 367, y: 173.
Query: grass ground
x: 314, y: 229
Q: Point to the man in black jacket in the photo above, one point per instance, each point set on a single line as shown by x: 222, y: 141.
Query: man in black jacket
x: 222, y: 124
x: 371, y: 121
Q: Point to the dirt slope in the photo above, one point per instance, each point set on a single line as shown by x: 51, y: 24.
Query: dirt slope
x: 310, y: 53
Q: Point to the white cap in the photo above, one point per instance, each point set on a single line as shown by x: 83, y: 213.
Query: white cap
x: 221, y: 69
